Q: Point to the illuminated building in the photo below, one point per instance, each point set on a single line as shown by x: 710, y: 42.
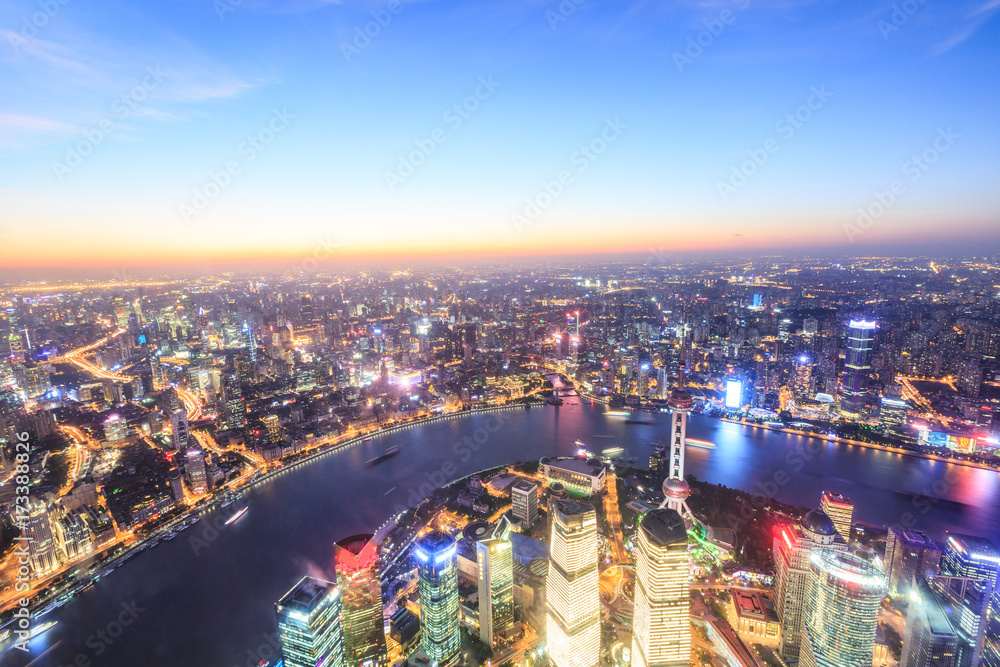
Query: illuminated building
x: 495, y: 559
x: 73, y: 537
x: 358, y: 578
x: 437, y: 573
x: 857, y: 367
x: 37, y: 530
x: 524, y: 501
x: 676, y: 489
x: 194, y: 467
x: 840, y: 509
x: 734, y: 393
x: 966, y: 583
x: 115, y: 429
x: 573, y: 621
x: 929, y: 639
x: 180, y: 431
x: 803, y: 383
x: 841, y: 609
x: 585, y: 477
x: 235, y: 404
x: 991, y: 646
x: 250, y: 341
x: 793, y: 546
x: 892, y: 416
x: 661, y: 628
x: 309, y: 625
x: 909, y: 555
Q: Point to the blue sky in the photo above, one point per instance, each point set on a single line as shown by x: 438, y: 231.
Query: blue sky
x: 894, y: 75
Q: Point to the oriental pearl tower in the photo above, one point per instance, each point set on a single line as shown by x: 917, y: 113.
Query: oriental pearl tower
x: 675, y: 487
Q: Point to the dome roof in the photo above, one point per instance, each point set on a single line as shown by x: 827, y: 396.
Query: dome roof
x: 818, y: 522
x: 676, y: 489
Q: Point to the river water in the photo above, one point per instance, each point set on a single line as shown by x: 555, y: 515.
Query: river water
x: 206, y: 597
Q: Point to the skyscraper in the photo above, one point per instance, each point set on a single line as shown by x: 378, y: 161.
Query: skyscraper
x: 235, y: 404
x: 309, y: 625
x: 929, y: 639
x: 857, y: 367
x: 43, y: 554
x: 966, y: 584
x: 358, y: 577
x: 661, y: 629
x: 180, y: 432
x: 793, y: 547
x: 524, y: 501
x: 437, y: 572
x: 909, y: 555
x: 841, y: 608
x: 495, y: 558
x: 840, y: 509
x: 194, y: 466
x: 573, y: 623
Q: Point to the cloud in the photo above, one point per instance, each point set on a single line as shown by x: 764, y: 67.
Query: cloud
x: 976, y: 19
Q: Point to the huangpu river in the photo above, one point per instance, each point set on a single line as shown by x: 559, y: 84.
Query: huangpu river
x: 206, y: 597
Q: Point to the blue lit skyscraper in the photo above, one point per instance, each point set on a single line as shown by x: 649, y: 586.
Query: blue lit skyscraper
x: 309, y: 625
x: 857, y: 367
x: 437, y: 571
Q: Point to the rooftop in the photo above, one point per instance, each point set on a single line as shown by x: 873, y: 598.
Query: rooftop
x: 306, y: 594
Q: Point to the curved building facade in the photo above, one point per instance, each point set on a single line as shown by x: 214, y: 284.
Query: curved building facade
x: 573, y: 623
x: 841, y: 611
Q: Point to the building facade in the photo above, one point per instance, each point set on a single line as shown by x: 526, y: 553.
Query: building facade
x: 573, y: 621
x: 661, y: 627
x: 309, y: 625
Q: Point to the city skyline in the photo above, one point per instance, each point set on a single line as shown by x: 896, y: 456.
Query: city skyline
x: 189, y: 134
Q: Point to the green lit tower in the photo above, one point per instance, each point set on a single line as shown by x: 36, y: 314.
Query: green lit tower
x: 437, y: 573
x: 309, y: 625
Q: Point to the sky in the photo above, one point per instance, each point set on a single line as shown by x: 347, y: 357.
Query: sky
x: 305, y: 131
